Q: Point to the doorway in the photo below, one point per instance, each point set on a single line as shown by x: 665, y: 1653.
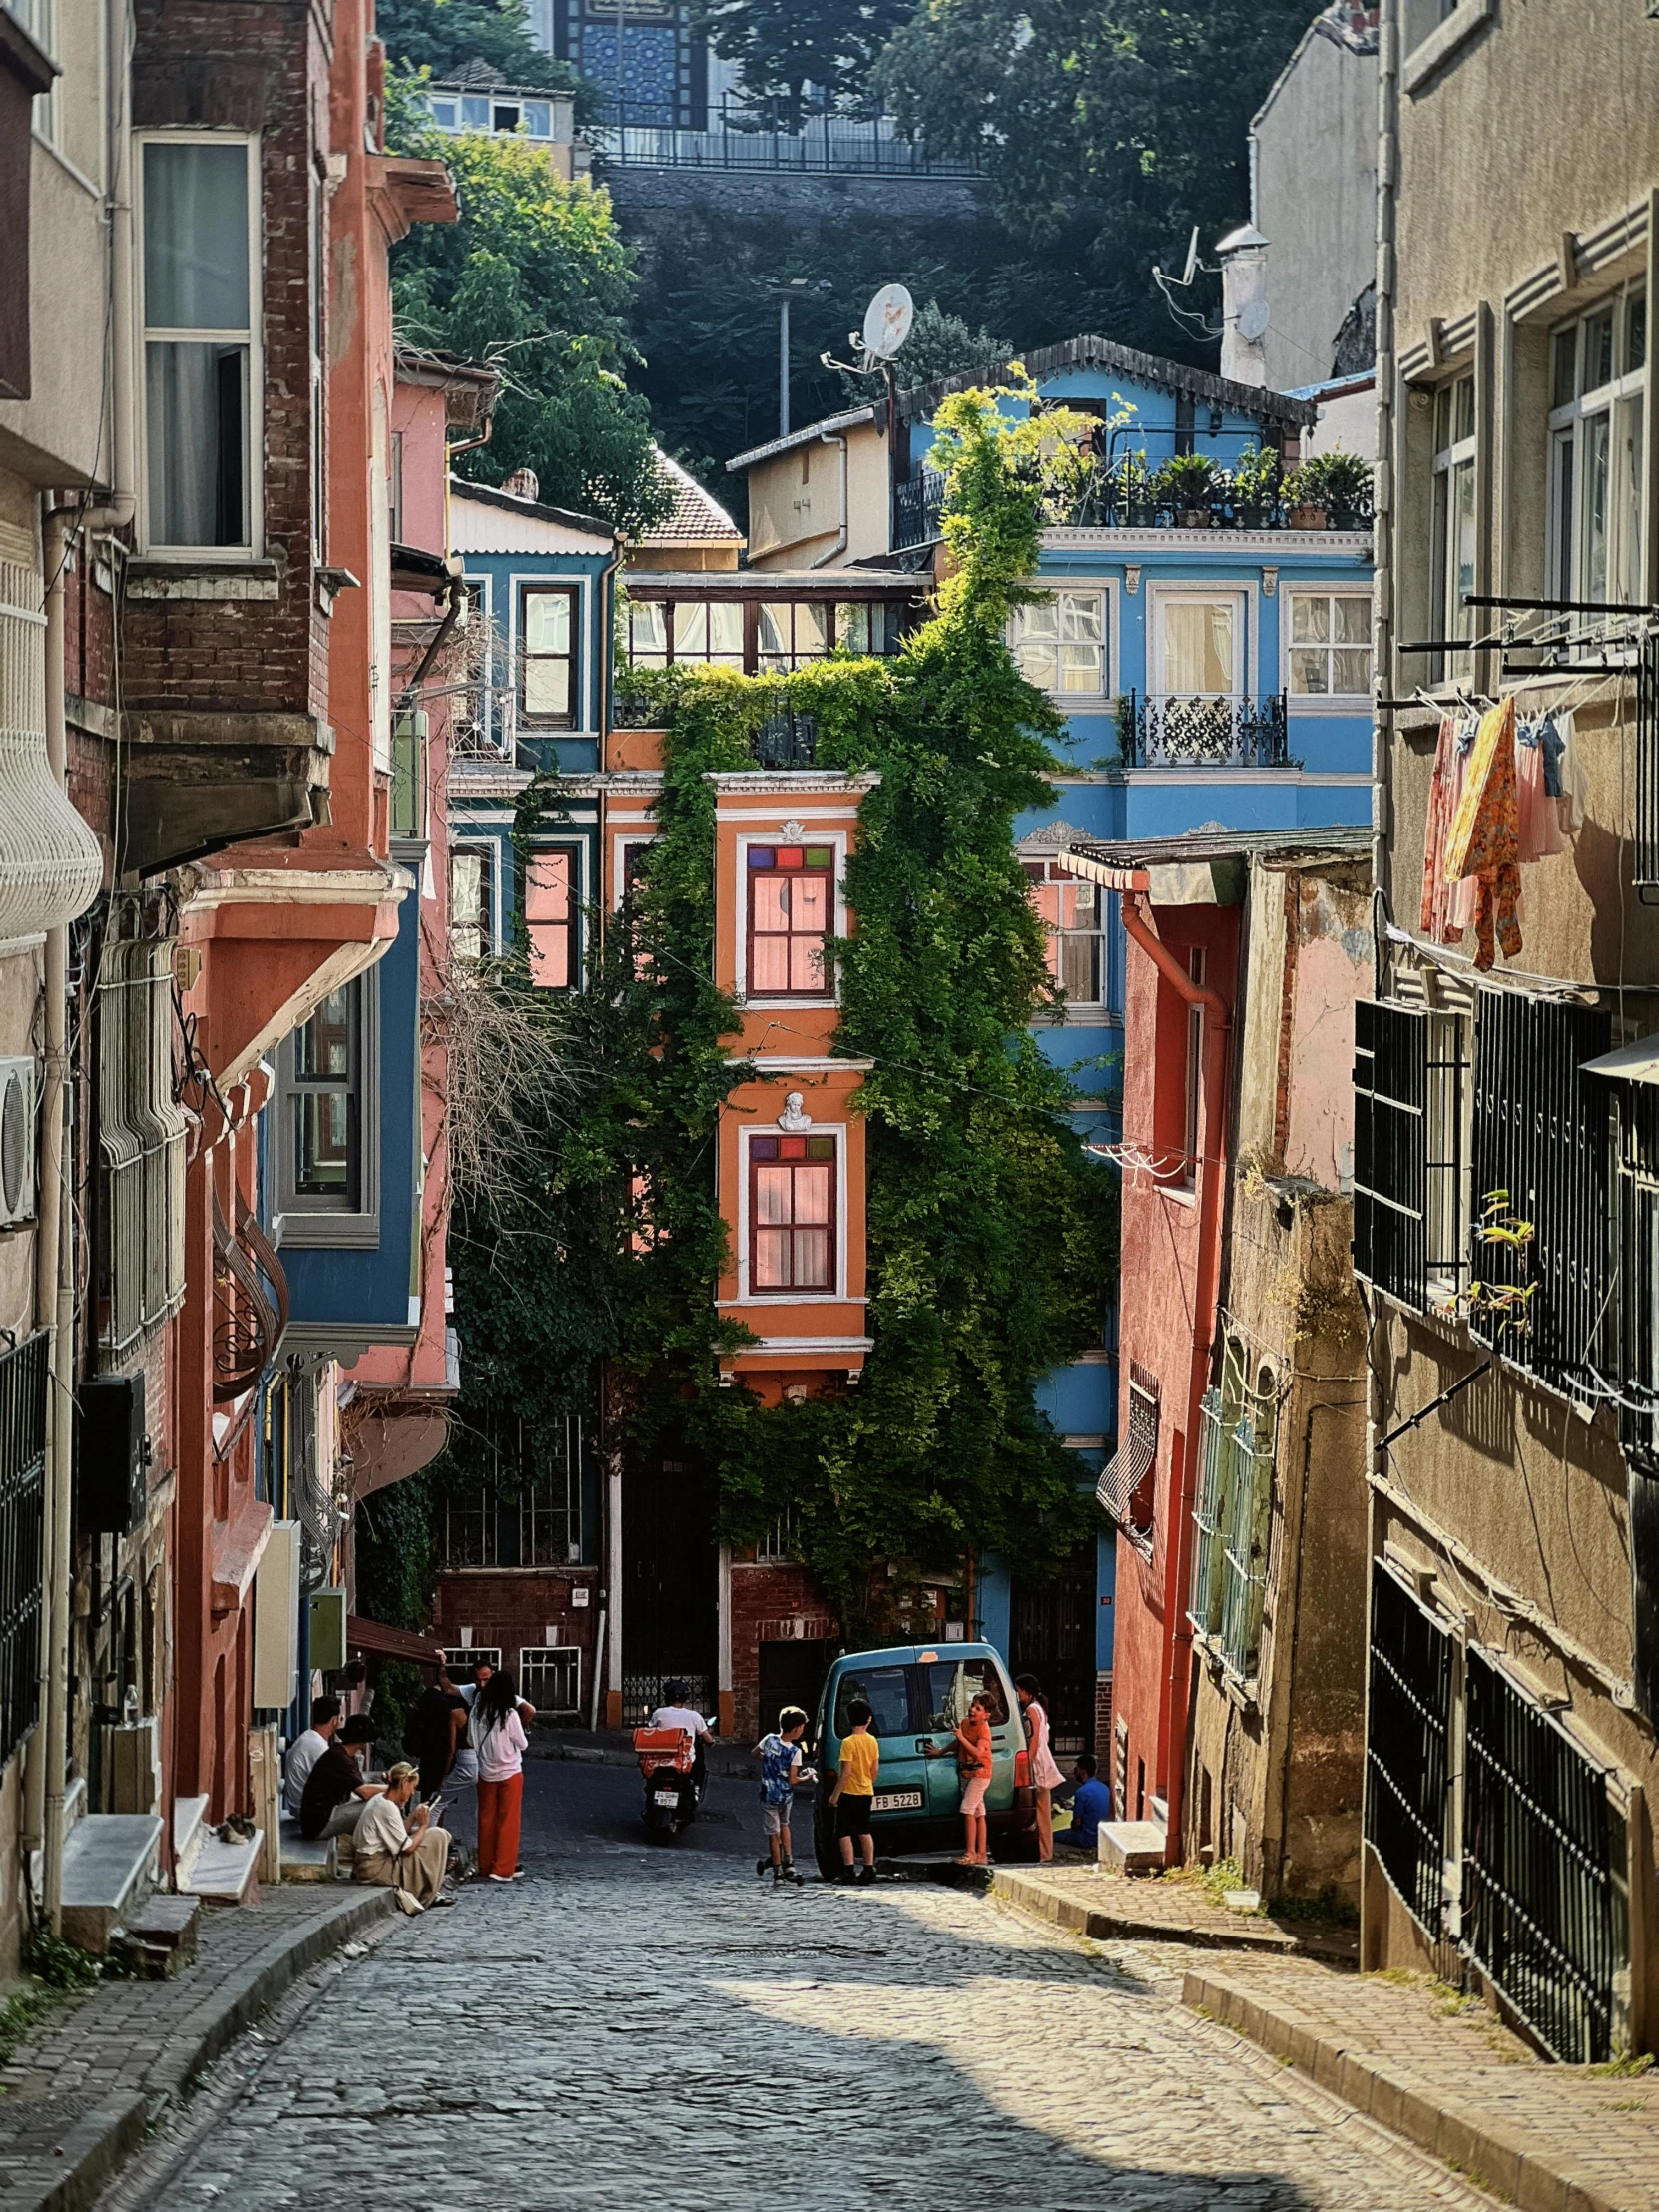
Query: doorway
x: 1052, y: 1636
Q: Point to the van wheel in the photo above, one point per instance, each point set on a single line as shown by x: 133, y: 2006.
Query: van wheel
x: 825, y: 1852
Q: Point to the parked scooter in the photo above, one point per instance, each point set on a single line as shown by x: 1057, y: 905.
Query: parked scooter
x: 674, y: 1779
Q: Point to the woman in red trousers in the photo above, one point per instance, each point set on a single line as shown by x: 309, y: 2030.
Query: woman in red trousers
x: 499, y: 1739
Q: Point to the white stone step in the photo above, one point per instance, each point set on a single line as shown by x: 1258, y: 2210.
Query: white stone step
x: 1131, y: 1847
x: 306, y: 1861
x: 225, y: 1874
x: 190, y: 1831
x: 109, y: 1865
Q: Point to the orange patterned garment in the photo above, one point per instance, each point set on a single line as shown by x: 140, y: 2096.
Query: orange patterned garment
x: 1485, y: 841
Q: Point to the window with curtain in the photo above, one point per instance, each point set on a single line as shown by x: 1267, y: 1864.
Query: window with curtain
x: 1330, y: 644
x: 791, y: 1214
x: 198, y: 344
x: 1072, y: 914
x: 472, y: 901
x: 792, y: 892
x: 550, y: 919
x: 1200, y: 647
x: 549, y: 617
x: 1060, y: 643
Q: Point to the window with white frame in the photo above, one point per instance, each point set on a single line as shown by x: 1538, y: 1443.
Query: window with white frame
x: 550, y: 614
x: 1201, y: 640
x: 550, y: 916
x: 1330, y: 644
x: 1453, y: 545
x: 199, y: 202
x: 1597, y: 383
x: 1073, y: 915
x: 1060, y: 643
x: 791, y: 1214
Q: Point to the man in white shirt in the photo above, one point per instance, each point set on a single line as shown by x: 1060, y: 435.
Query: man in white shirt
x: 307, y: 1749
x: 677, y: 1714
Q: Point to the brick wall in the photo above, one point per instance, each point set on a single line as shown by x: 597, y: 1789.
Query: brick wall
x: 515, y: 1609
x: 1103, y: 1725
x: 246, y: 65
x: 770, y: 1604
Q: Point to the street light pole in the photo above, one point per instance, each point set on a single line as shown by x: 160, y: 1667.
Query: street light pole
x: 784, y: 366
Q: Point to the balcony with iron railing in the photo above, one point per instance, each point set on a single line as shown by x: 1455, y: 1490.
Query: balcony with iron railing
x: 787, y: 738
x: 1120, y: 495
x: 1203, y: 729
x: 743, y: 135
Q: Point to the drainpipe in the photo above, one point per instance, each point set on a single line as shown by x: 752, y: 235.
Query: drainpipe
x: 54, y: 1301
x: 1209, y: 1173
x: 831, y: 437
x: 1384, y: 523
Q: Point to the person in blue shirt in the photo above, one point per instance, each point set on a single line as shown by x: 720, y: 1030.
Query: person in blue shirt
x: 783, y: 1765
x: 1091, y: 1804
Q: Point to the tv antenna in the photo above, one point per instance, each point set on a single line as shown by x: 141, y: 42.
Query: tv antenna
x: 1189, y: 319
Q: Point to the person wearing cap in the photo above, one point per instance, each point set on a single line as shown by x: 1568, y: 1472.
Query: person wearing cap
x: 336, y: 1792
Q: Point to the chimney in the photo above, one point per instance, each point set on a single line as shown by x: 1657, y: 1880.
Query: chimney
x: 1244, y: 305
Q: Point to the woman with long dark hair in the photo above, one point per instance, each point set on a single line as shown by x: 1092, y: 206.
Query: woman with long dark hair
x: 499, y: 1741
x: 1045, y: 1773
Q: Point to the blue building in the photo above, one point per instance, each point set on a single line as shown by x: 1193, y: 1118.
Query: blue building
x: 1210, y: 648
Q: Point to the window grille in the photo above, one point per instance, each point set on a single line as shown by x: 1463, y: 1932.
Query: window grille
x: 1539, y: 1888
x: 550, y: 1676
x: 1541, y: 1157
x: 460, y: 1659
x: 642, y: 1692
x: 1127, y: 1485
x: 523, y: 1505
x: 1636, y: 1270
x: 1410, y: 1156
x: 1408, y: 1744
x: 22, y: 1531
x: 140, y: 1142
x: 1232, y: 1512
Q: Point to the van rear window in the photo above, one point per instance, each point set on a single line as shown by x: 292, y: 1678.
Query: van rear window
x: 949, y: 1687
x: 886, y: 1690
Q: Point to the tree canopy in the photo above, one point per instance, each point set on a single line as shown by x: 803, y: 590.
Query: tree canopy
x: 1105, y: 127
x: 535, y: 279
x: 445, y: 35
x: 781, y: 46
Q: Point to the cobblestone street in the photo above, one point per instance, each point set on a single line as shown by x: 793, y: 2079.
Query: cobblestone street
x: 635, y: 2024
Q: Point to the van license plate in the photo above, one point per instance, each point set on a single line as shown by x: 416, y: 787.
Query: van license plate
x: 896, y: 1800
x: 668, y: 1797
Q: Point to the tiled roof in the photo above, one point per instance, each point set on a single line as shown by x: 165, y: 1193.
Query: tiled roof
x: 693, y: 518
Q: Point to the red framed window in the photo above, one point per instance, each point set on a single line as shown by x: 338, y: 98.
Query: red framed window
x: 791, y: 1215
x: 550, y: 919
x: 791, y: 896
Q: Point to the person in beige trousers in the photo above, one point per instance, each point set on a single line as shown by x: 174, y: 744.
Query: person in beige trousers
x: 400, y: 1853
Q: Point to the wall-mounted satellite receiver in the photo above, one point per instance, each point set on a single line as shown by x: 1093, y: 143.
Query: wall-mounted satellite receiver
x: 887, y: 322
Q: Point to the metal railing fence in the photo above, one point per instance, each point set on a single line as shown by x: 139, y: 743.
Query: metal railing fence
x: 1407, y: 1747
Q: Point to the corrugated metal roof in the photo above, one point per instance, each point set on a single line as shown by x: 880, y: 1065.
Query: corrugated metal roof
x: 827, y: 426
x: 484, y: 520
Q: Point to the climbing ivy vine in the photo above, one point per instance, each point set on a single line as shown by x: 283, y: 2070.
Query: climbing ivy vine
x: 990, y: 1241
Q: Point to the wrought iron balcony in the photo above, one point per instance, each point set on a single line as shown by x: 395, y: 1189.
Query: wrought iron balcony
x: 918, y: 512
x: 1203, y: 730
x: 785, y: 740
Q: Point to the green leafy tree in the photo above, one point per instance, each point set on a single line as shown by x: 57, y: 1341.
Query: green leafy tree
x: 782, y: 46
x: 536, y: 279
x: 445, y: 35
x: 1106, y: 128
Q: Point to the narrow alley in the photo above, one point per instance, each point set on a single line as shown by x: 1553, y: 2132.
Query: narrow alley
x: 640, y: 2024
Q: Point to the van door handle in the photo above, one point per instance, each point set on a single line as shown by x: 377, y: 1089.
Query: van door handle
x: 925, y: 1743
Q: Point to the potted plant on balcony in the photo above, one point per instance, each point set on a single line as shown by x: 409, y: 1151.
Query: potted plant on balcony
x: 1252, y: 487
x: 1187, y: 482
x: 1132, y: 490
x: 1328, y: 491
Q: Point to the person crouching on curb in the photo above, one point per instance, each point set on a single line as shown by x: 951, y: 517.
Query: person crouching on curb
x: 861, y: 1762
x: 782, y: 1768
x: 973, y: 1763
x: 399, y: 1850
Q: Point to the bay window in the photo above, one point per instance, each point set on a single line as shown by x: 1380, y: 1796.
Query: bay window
x: 1597, y: 379
x: 1073, y: 914
x: 326, y: 1078
x: 791, y: 1215
x: 200, y: 209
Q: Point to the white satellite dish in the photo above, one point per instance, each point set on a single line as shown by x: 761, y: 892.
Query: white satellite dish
x: 887, y: 322
x: 1253, y: 320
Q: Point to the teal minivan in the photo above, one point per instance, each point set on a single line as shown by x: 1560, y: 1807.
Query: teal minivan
x: 917, y: 1694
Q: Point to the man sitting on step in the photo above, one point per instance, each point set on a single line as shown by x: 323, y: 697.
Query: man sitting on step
x: 307, y: 1749
x: 336, y: 1792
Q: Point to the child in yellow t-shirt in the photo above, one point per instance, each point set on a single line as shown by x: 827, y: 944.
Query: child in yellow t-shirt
x: 861, y: 1761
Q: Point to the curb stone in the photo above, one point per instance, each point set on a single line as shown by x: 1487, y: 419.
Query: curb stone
x: 1510, y: 2162
x: 1036, y: 1896
x: 57, y: 2154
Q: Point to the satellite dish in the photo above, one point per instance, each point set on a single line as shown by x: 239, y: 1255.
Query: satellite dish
x: 887, y: 322
x: 1253, y: 320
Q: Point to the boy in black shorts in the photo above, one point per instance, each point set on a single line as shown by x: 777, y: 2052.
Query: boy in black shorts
x: 861, y: 1762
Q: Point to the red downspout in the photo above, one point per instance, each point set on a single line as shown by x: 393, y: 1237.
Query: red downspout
x: 1209, y: 1173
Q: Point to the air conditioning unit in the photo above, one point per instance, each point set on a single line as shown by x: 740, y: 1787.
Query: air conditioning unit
x: 19, y: 1092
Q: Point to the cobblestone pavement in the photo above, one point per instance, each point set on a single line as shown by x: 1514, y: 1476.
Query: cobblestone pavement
x: 641, y: 2025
